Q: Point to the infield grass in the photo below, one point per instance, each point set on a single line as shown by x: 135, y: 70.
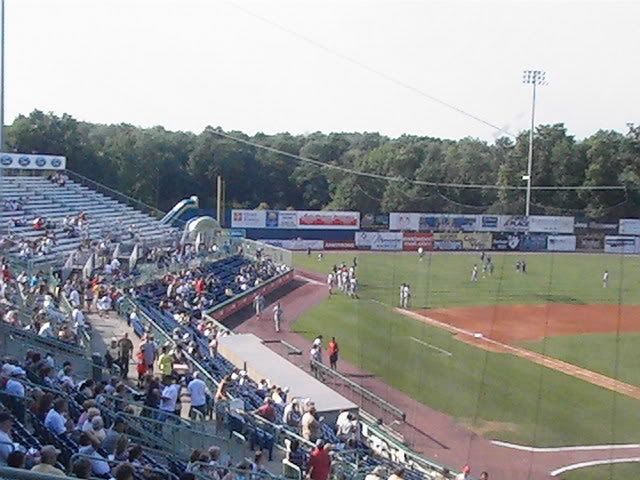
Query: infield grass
x: 498, y: 395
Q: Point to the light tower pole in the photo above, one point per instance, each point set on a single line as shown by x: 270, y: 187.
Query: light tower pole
x: 534, y: 78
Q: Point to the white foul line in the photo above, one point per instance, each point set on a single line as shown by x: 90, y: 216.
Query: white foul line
x: 431, y: 346
x: 593, y: 463
x: 310, y: 280
x: 576, y: 448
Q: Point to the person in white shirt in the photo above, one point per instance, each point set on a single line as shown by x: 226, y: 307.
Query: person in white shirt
x: 78, y: 318
x: 605, y: 279
x: 169, y: 397
x: 199, y: 392
x: 115, y: 265
x: 46, y: 330
x: 14, y: 386
x: 74, y: 298
x: 104, y: 305
x: 55, y: 421
x: 330, y: 282
x: 277, y: 316
x: 474, y: 274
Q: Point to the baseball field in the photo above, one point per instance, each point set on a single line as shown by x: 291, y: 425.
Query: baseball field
x: 547, y: 358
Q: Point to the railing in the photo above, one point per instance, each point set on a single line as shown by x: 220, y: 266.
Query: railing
x: 322, y: 373
x: 277, y: 254
x: 10, y: 331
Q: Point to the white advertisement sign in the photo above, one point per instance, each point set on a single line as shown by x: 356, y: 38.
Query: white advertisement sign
x: 248, y: 218
x: 549, y: 224
x: 404, y: 221
x: 629, y: 226
x: 619, y: 244
x: 23, y: 161
x: 297, y: 244
x: 561, y: 243
x: 379, y: 240
x: 321, y: 219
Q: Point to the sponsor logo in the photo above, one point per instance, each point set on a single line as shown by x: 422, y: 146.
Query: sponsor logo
x: 40, y: 162
x: 56, y: 163
x: 6, y: 160
x: 489, y: 222
x: 24, y: 161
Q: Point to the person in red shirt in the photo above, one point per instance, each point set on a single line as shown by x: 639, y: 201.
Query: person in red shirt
x: 266, y: 410
x: 200, y: 286
x: 332, y: 350
x: 319, y: 462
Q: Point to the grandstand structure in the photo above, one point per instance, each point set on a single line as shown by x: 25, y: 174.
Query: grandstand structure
x: 48, y: 198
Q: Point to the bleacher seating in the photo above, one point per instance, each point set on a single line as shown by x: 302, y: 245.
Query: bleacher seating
x: 39, y: 197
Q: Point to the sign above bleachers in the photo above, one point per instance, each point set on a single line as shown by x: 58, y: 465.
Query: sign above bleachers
x: 295, y: 219
x: 26, y: 161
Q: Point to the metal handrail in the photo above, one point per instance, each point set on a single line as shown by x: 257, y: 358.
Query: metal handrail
x: 100, y: 458
x: 253, y: 475
x: 360, y: 390
x: 22, y: 474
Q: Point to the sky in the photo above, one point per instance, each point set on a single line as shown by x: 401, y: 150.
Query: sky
x: 326, y: 65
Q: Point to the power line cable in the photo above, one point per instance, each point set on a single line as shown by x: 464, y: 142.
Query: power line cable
x: 388, y: 178
x: 370, y: 69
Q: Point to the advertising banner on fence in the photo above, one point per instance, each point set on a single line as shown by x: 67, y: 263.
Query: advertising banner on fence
x: 379, y: 240
x: 507, y: 241
x: 411, y: 241
x: 297, y: 244
x: 378, y: 221
x: 23, y: 161
x: 629, y: 226
x: 590, y: 242
x: 489, y: 223
x: 327, y: 220
x: 513, y: 223
x: 548, y: 224
x: 281, y: 219
x: 534, y: 242
x: 619, y: 244
x: 248, y: 218
x: 404, y: 221
x: 561, y: 243
x: 339, y: 245
x: 447, y: 241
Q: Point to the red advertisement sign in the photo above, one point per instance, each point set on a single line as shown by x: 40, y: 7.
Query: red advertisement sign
x: 411, y: 241
x: 247, y: 298
x: 339, y: 245
x: 326, y: 219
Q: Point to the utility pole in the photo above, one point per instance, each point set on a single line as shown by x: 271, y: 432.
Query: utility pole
x: 219, y: 199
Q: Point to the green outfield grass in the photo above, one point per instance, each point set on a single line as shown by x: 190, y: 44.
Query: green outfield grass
x: 605, y: 472
x: 443, y: 279
x: 498, y: 395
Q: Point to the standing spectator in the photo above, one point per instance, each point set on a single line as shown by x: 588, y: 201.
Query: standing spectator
x: 169, y: 398
x: 266, y: 410
x: 199, y: 393
x: 310, y: 425
x: 125, y: 348
x: 295, y: 455
x: 332, y: 350
x: 319, y: 462
x: 149, y: 350
x: 165, y: 362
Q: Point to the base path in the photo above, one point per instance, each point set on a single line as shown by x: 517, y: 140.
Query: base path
x: 434, y: 434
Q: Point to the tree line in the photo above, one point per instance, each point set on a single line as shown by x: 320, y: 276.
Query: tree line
x: 160, y: 167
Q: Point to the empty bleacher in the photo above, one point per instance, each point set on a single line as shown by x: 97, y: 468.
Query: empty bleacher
x: 40, y: 197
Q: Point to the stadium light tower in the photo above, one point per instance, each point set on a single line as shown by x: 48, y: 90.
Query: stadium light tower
x: 534, y: 78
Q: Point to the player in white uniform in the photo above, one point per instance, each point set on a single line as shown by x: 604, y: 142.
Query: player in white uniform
x: 330, y: 280
x: 420, y: 253
x: 258, y: 304
x: 277, y: 316
x: 605, y: 279
x: 474, y: 273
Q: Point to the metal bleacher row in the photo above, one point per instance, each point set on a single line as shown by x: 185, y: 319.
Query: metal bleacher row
x: 40, y: 197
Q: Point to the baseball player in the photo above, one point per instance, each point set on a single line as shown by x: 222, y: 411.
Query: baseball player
x: 258, y: 304
x: 605, y: 279
x: 420, y: 253
x: 277, y: 316
x: 474, y: 273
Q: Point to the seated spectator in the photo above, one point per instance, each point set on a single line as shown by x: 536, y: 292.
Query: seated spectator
x: 291, y: 414
x: 48, y: 459
x: 16, y: 459
x: 81, y: 468
x: 6, y: 440
x: 55, y: 420
x: 113, y: 434
x: 266, y: 410
x: 124, y: 471
x: 98, y: 464
x: 376, y: 474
